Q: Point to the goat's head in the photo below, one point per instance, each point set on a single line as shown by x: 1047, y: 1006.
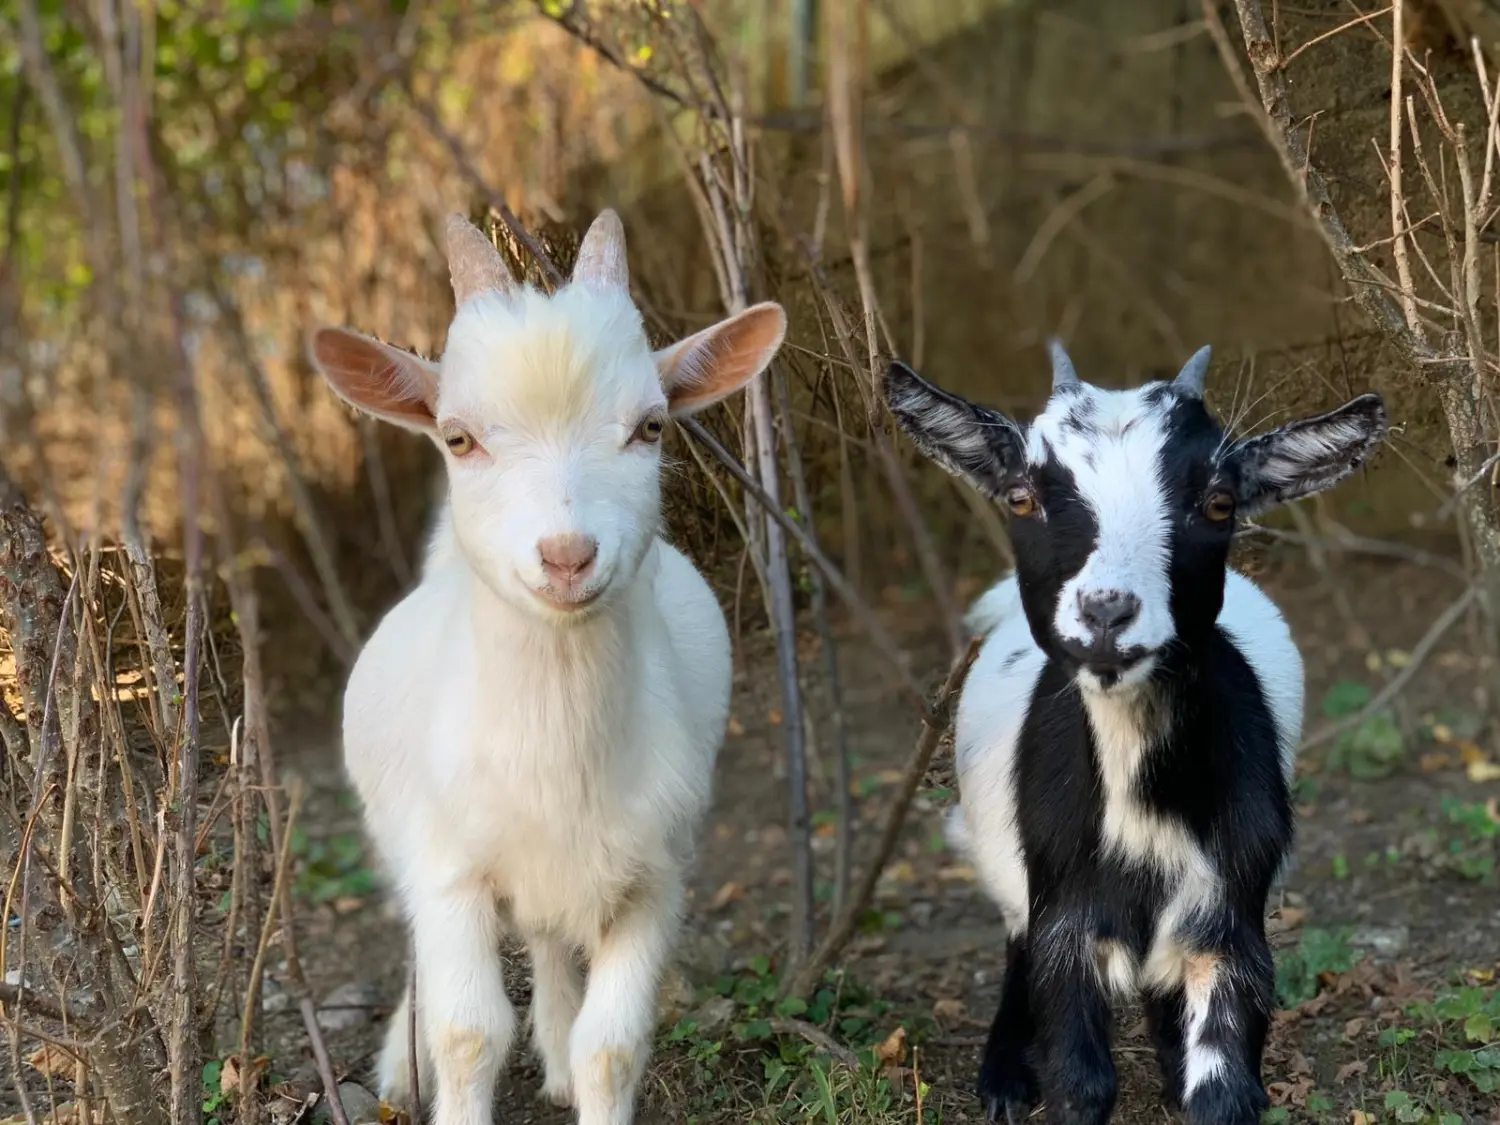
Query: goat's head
x: 1123, y: 503
x: 549, y: 412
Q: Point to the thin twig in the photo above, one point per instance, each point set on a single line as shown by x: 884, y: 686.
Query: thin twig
x: 1420, y: 651
x: 413, y: 1068
x: 325, y: 1068
x: 884, y: 643
x: 818, y: 1038
x: 844, y: 927
x: 268, y: 925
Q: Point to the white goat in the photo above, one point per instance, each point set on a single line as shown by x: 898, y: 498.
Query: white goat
x: 533, y: 728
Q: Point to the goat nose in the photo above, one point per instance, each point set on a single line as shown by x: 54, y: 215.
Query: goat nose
x: 567, y: 558
x: 1108, y: 610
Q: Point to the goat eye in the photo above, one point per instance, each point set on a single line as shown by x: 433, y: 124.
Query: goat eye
x: 460, y: 443
x: 649, y: 431
x: 1021, y: 500
x: 1219, y: 507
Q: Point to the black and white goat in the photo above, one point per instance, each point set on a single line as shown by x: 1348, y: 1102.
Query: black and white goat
x: 1126, y: 736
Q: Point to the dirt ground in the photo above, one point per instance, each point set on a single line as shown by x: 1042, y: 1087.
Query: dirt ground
x: 1388, y: 933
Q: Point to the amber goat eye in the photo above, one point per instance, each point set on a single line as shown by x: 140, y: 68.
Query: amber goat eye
x: 460, y: 443
x: 1219, y: 507
x: 649, y: 431
x: 1021, y: 500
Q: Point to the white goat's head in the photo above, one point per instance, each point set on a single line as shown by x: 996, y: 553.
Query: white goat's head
x: 550, y: 412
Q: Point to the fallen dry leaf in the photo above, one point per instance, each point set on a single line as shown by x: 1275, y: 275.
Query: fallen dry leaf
x: 949, y: 1009
x: 1291, y: 917
x: 774, y: 716
x: 1349, y: 1070
x: 1469, y: 753
x: 1353, y: 1028
x: 893, y: 1051
x: 958, y: 873
x: 729, y: 892
x: 1360, y: 1117
x: 229, y: 1076
x: 1481, y: 772
x: 1434, y: 761
x: 1300, y: 1063
x: 736, y: 728
x: 53, y: 1061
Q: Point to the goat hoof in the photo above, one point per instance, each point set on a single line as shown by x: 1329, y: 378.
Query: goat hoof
x: 1227, y: 1103
x: 1007, y: 1097
x: 1010, y: 1112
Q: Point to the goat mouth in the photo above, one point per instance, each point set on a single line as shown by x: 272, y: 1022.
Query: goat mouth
x: 571, y: 602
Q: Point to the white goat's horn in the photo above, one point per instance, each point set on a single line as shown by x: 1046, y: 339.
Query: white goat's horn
x: 1190, y: 379
x: 601, y: 260
x: 473, y: 263
x: 1063, y: 373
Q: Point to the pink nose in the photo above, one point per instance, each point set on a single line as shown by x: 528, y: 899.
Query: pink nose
x: 567, y: 559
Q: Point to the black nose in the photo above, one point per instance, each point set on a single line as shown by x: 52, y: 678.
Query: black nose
x: 1108, y: 611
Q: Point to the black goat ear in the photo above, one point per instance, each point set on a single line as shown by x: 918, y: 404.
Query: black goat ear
x: 981, y: 445
x: 1307, y: 456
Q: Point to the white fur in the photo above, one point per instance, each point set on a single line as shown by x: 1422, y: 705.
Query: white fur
x: 992, y: 711
x: 528, y: 768
x: 1201, y: 1063
x: 1114, y: 464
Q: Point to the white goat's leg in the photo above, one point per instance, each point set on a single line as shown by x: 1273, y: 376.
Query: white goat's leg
x: 467, y: 1020
x: 611, y: 1039
x: 393, y: 1070
x: 556, y: 993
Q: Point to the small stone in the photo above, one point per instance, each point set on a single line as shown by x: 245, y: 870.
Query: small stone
x: 360, y: 1106
x: 1386, y: 941
x: 714, y: 1015
x: 348, y: 1006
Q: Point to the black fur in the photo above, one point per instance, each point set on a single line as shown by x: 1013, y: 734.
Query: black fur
x: 1223, y: 781
x: 1212, y: 764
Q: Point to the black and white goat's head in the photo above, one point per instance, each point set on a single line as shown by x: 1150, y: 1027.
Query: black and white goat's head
x: 1123, y: 503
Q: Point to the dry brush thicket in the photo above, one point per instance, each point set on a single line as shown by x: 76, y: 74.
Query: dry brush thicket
x: 182, y: 508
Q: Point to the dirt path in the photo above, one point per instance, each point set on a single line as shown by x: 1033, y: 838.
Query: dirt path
x: 1393, y: 906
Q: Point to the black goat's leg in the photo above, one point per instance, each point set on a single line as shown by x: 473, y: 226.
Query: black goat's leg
x: 1073, y: 1020
x: 1007, y: 1081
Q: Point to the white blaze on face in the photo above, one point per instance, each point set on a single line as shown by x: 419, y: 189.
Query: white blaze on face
x: 1111, y: 443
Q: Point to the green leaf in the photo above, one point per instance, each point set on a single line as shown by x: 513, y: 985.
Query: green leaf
x: 1345, y: 698
x: 791, y: 1006
x: 1479, y: 1028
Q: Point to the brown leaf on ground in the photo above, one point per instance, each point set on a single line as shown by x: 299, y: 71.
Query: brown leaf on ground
x: 1353, y: 1028
x: 53, y: 1061
x: 1360, y: 1117
x: 949, y: 1009
x: 893, y: 1051
x: 729, y: 892
x: 1434, y: 762
x: 736, y: 728
x: 1300, y: 1064
x: 1349, y: 1070
x: 1286, y: 919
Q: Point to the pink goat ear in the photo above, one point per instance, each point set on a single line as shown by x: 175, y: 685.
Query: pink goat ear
x: 714, y: 363
x: 376, y: 378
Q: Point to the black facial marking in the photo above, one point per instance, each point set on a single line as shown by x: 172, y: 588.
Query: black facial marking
x: 1199, y: 546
